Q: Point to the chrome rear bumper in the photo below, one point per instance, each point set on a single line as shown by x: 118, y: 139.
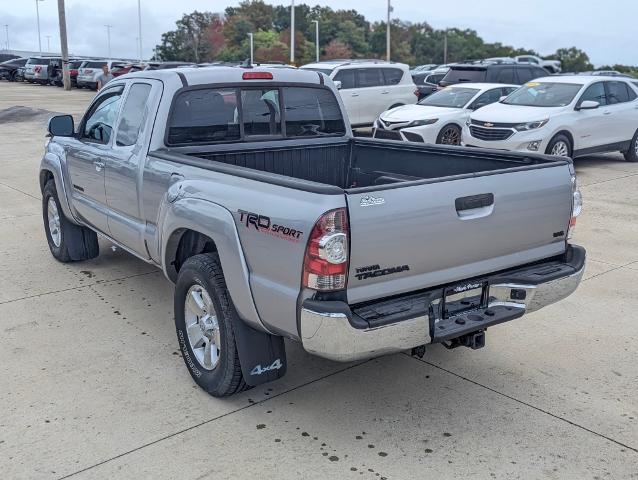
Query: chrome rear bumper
x: 332, y: 332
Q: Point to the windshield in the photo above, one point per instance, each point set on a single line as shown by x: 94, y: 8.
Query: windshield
x: 327, y: 71
x: 38, y: 61
x: 543, y: 94
x: 451, y: 97
x: 94, y: 64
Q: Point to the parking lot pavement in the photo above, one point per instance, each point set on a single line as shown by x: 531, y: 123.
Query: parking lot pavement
x: 92, y: 384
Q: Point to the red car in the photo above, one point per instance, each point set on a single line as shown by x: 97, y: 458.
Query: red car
x: 128, y: 68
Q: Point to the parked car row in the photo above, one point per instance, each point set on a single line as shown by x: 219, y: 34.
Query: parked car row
x: 83, y: 72
x: 560, y: 115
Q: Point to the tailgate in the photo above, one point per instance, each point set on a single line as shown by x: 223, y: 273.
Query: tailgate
x: 417, y: 236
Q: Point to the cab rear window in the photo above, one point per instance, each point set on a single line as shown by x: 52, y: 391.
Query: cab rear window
x: 218, y: 115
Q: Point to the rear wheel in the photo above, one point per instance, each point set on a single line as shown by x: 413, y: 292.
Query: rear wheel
x: 631, y: 155
x: 204, y: 318
x: 12, y: 76
x: 449, y: 135
x: 560, y: 145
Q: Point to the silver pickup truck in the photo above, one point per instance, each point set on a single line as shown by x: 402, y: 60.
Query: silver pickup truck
x: 247, y: 187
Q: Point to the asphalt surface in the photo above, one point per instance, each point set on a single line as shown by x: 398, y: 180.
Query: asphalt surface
x: 92, y: 385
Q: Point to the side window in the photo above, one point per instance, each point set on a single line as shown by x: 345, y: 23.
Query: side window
x: 101, y: 118
x: 133, y: 114
x: 538, y: 72
x: 595, y: 92
x: 508, y: 90
x: 204, y: 116
x: 506, y: 75
x: 524, y: 75
x: 312, y: 112
x: 617, y: 92
x: 260, y: 112
x: 369, y: 77
x: 347, y: 78
x: 392, y: 76
x: 632, y: 93
x: 491, y: 96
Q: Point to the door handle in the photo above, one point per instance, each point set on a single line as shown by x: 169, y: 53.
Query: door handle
x: 385, y: 92
x: 606, y: 113
x: 98, y: 166
x: 355, y: 95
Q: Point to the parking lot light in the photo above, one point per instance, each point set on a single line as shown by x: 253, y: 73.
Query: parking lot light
x: 37, y: 14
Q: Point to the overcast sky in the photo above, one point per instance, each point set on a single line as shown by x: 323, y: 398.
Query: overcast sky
x: 607, y: 34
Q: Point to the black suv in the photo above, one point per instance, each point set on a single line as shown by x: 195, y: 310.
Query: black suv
x: 9, y: 69
x: 492, y: 73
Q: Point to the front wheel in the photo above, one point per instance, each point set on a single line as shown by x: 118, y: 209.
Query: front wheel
x: 204, y: 317
x: 67, y: 241
x: 449, y: 135
x: 560, y: 145
x: 631, y: 155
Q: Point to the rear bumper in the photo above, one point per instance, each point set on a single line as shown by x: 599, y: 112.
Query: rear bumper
x: 339, y: 332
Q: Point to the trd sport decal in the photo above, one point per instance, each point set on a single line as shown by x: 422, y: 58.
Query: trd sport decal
x: 373, y: 271
x: 263, y: 224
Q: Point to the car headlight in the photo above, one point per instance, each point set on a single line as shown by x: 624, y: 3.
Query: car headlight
x: 420, y: 123
x: 523, y: 127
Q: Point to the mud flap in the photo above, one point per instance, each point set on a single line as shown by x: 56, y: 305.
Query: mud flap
x: 262, y: 356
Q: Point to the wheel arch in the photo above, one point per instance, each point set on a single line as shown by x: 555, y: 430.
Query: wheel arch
x: 192, y: 226
x: 52, y: 168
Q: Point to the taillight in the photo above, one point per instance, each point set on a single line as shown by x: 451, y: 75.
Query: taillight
x: 257, y: 76
x: 417, y: 93
x: 577, y: 203
x: 326, y: 261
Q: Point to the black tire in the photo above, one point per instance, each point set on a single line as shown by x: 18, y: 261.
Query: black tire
x: 225, y: 378
x: 560, y: 138
x: 12, y: 76
x: 449, y: 135
x: 76, y: 243
x: 631, y: 155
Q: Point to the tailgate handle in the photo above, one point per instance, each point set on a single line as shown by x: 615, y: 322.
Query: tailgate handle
x: 473, y: 202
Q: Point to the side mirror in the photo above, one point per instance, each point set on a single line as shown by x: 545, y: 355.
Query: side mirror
x: 589, y: 105
x: 502, y: 98
x: 338, y: 84
x: 61, y: 126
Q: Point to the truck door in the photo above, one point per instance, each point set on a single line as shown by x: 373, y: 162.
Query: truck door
x: 124, y: 161
x: 85, y: 158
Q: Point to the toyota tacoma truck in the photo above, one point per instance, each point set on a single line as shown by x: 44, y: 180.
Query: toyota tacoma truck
x: 248, y: 189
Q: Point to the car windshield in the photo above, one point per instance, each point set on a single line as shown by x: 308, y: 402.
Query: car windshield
x: 451, y: 97
x: 38, y: 61
x: 327, y: 71
x: 94, y: 64
x: 543, y: 94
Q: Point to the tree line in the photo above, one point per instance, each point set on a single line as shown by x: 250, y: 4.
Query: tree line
x: 206, y: 36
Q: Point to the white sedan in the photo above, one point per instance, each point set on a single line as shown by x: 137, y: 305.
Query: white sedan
x: 567, y: 115
x: 440, y: 117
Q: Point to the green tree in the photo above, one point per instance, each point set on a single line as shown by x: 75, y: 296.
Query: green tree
x: 189, y: 41
x: 572, y: 59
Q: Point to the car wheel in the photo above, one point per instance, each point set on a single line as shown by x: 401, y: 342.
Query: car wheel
x: 204, y: 318
x: 12, y: 77
x: 67, y: 241
x: 449, y: 135
x: 560, y: 146
x: 631, y: 155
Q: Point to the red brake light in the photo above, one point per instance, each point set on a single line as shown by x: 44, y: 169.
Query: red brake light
x: 257, y: 76
x: 326, y: 260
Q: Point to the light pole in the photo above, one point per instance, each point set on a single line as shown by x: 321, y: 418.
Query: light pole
x: 6, y: 30
x: 445, y: 48
x: 108, y: 38
x: 64, y: 49
x: 250, y: 35
x: 316, y: 22
x: 387, y: 34
x: 139, y: 26
x: 292, y: 32
x: 37, y: 13
x: 48, y: 43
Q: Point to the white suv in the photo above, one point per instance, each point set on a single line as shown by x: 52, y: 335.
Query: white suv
x: 369, y: 87
x: 91, y: 69
x: 572, y: 115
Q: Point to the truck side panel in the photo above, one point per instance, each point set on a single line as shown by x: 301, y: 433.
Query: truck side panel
x: 272, y: 223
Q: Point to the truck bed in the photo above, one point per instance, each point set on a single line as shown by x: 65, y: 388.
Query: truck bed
x: 360, y: 163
